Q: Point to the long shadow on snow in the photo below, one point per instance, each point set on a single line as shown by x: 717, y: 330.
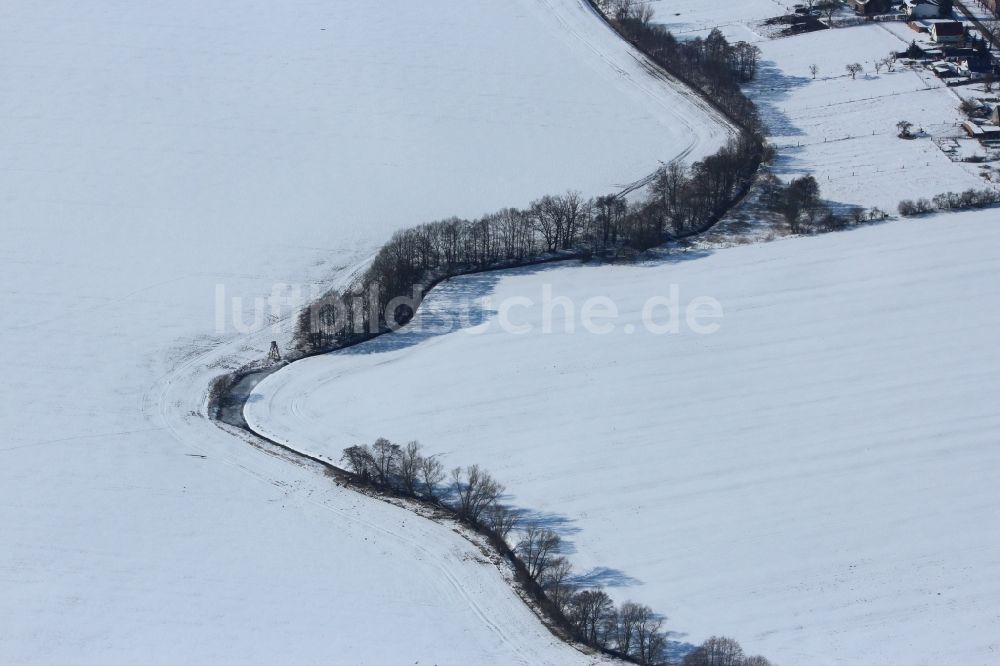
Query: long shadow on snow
x: 453, y: 305
x: 460, y: 303
x: 564, y: 527
x: 771, y: 88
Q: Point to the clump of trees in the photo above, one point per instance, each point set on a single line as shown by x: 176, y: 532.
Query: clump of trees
x: 803, y: 210
x: 402, y: 469
x: 722, y: 651
x: 968, y: 199
x: 797, y: 200
x: 629, y: 630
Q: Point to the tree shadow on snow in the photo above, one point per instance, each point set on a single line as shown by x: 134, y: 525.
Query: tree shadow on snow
x: 559, y: 524
x: 769, y: 91
x: 456, y: 304
x: 598, y: 577
x: 605, y: 577
x: 676, y: 648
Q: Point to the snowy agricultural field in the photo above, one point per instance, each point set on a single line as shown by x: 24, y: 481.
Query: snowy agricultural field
x: 686, y: 18
x: 154, y: 152
x: 817, y: 478
x: 843, y: 131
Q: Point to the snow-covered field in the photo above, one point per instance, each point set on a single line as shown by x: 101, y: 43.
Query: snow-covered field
x: 843, y: 131
x: 151, y: 152
x: 817, y: 478
x: 696, y: 17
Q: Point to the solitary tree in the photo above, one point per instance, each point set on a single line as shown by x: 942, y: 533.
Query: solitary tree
x: 904, y: 127
x: 854, y: 69
x: 814, y: 70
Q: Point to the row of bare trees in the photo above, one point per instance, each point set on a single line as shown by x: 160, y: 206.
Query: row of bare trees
x: 471, y: 492
x: 681, y: 201
x: 969, y: 199
x: 630, y: 630
x: 711, y: 64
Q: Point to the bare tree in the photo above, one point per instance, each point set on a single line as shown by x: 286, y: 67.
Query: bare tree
x: 538, y: 548
x: 649, y: 637
x: 625, y: 627
x: 589, y: 611
x: 756, y: 660
x: 904, y: 127
x: 501, y: 520
x: 359, y: 460
x: 431, y: 475
x: 385, y: 459
x: 854, y: 69
x: 475, y: 492
x: 814, y: 70
x: 409, y: 467
x: 556, y: 582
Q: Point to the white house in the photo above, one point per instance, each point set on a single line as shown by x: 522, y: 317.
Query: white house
x: 947, y: 32
x: 918, y: 9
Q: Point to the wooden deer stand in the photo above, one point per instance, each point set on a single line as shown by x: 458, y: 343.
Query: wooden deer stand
x: 274, y: 354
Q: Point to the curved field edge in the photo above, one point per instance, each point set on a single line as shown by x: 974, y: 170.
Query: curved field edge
x: 825, y: 457
x: 228, y: 393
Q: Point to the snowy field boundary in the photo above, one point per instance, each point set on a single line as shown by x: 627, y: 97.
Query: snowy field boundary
x: 228, y: 393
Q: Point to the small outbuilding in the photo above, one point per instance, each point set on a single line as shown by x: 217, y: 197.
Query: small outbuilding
x: 981, y: 132
x: 995, y: 118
